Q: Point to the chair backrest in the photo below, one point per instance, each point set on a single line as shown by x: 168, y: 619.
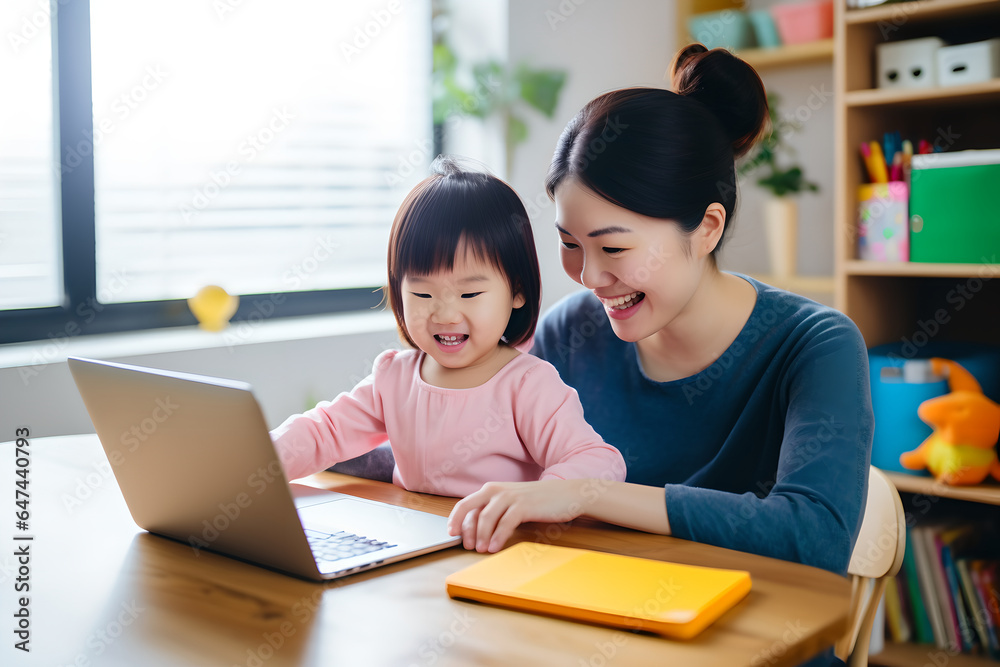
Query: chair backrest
x: 878, y: 555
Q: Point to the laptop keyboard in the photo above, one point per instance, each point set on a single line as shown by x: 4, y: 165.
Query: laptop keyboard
x: 335, y: 546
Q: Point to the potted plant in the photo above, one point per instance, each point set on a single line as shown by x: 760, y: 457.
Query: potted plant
x: 780, y: 210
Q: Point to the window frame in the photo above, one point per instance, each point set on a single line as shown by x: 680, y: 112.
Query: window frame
x: 81, y: 313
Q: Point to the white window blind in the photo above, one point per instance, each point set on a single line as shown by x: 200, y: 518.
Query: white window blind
x: 30, y: 257
x: 262, y: 146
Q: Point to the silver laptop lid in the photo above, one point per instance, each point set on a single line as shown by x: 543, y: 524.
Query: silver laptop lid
x: 195, y: 462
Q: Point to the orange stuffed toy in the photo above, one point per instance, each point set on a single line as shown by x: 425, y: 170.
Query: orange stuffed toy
x: 966, y: 425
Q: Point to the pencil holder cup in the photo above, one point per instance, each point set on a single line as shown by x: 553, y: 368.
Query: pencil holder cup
x: 883, y: 222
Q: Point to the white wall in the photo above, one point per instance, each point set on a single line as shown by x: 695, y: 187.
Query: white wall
x: 603, y: 45
x: 806, y: 94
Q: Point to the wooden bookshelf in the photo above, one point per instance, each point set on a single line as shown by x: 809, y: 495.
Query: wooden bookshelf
x: 889, y: 300
x: 894, y: 302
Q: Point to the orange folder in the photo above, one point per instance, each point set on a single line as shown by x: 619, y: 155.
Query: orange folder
x: 669, y: 599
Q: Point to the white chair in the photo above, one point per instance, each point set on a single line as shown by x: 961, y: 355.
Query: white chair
x: 878, y: 555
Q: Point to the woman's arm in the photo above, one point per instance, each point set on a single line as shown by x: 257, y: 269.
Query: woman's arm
x: 487, y: 518
x: 811, y: 511
x: 377, y: 464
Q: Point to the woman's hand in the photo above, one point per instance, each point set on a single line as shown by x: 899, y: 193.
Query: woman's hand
x: 487, y: 518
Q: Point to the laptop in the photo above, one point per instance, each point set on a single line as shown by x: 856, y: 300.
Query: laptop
x: 195, y: 462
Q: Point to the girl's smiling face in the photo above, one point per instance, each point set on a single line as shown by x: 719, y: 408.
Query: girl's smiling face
x: 644, y: 270
x: 457, y: 316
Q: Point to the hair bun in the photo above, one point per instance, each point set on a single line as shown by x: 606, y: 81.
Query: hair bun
x: 728, y: 86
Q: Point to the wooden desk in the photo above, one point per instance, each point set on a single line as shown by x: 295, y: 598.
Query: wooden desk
x: 104, y: 592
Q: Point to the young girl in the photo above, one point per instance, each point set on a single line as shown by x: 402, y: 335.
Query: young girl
x: 464, y: 407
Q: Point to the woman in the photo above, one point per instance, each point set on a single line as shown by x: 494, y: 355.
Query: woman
x: 743, y: 412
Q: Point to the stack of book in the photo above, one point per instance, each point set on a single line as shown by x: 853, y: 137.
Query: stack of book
x: 946, y: 593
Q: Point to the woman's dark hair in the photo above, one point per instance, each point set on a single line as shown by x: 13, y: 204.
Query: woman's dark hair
x: 457, y: 206
x: 668, y: 154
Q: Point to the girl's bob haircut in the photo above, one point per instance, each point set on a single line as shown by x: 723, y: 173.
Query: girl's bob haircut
x: 461, y: 208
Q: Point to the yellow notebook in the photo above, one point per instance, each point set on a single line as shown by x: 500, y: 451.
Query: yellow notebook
x: 623, y: 591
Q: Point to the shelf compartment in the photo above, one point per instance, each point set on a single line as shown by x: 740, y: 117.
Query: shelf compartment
x: 968, y: 127
x: 917, y: 309
x: 863, y: 31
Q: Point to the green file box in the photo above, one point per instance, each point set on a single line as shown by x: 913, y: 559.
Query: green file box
x: 954, y: 207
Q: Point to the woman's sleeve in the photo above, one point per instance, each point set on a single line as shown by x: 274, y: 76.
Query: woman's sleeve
x: 350, y: 425
x: 550, y: 422
x: 813, y: 512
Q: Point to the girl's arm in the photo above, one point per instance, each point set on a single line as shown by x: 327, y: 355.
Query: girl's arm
x: 487, y: 518
x: 350, y: 425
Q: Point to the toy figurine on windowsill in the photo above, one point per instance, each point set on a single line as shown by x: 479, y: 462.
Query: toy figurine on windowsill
x: 212, y: 306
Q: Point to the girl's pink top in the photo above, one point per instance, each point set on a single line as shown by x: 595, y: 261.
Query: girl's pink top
x: 522, y: 424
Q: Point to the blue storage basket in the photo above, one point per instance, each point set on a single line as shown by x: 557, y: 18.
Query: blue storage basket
x: 898, y: 429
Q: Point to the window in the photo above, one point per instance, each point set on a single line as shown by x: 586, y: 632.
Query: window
x: 261, y: 146
x: 29, y: 229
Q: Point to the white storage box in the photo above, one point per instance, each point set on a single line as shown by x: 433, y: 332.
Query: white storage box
x: 908, y: 64
x: 968, y: 63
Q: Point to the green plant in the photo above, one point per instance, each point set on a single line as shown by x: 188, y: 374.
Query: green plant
x: 779, y: 180
x: 498, y: 90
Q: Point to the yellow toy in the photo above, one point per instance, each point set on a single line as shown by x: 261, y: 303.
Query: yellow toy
x: 966, y: 425
x: 213, y: 306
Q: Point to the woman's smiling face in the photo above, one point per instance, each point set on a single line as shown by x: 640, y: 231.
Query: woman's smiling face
x: 644, y: 270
